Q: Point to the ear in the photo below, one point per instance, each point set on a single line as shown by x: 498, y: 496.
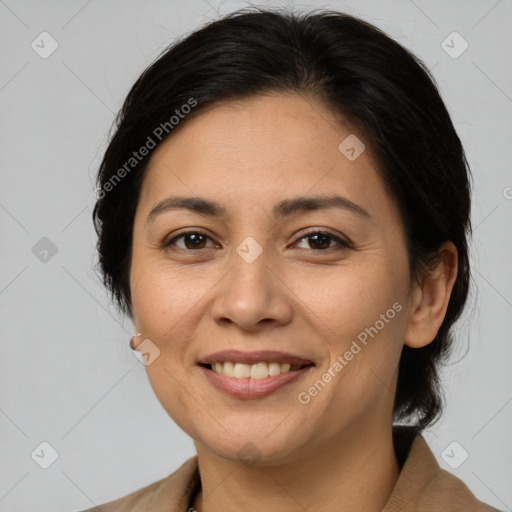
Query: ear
x: 430, y: 298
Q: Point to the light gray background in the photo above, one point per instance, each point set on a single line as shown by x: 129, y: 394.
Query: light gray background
x: 67, y: 374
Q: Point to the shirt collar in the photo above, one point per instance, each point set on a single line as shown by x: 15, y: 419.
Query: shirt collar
x: 417, y: 462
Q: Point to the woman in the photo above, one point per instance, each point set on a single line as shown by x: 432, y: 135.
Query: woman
x: 283, y: 212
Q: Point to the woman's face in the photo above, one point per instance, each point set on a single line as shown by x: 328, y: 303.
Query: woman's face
x: 263, y: 277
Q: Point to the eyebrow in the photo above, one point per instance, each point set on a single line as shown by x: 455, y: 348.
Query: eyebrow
x: 285, y: 208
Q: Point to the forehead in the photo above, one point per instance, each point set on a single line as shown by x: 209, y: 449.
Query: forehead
x: 265, y: 148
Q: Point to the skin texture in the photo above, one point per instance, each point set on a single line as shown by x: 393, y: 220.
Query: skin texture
x: 335, y: 452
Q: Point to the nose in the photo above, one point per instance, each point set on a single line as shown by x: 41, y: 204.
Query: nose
x: 252, y: 294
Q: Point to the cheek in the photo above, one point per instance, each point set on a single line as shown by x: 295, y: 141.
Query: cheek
x: 351, y: 299
x: 360, y: 314
x: 161, y: 297
x: 170, y: 386
x: 165, y: 307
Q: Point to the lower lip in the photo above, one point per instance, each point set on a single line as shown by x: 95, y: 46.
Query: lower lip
x: 252, y: 388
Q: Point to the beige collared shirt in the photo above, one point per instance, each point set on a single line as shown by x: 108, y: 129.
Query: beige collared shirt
x: 421, y: 487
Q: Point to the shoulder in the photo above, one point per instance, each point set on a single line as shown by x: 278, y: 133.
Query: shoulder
x: 135, y: 501
x: 172, y: 492
x: 452, y: 494
x: 423, y: 486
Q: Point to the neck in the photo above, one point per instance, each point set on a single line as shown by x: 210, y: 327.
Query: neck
x: 356, y: 474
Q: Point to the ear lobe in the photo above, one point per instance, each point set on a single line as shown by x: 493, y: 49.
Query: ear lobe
x: 430, y: 299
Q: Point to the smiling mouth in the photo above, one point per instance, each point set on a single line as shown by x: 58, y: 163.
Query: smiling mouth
x: 260, y: 370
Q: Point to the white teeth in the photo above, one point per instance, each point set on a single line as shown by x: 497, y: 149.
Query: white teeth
x: 274, y: 369
x: 255, y: 371
x: 228, y: 368
x: 259, y: 371
x: 242, y: 370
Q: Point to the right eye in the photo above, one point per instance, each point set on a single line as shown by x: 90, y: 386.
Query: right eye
x: 192, y: 240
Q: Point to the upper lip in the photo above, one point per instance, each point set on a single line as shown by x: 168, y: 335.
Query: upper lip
x: 269, y: 356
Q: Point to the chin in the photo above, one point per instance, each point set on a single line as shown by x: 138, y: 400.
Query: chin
x: 250, y: 443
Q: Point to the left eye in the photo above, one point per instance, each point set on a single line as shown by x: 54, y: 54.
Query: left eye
x: 321, y: 240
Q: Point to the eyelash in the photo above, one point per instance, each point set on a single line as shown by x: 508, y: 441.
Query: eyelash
x: 343, y: 244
